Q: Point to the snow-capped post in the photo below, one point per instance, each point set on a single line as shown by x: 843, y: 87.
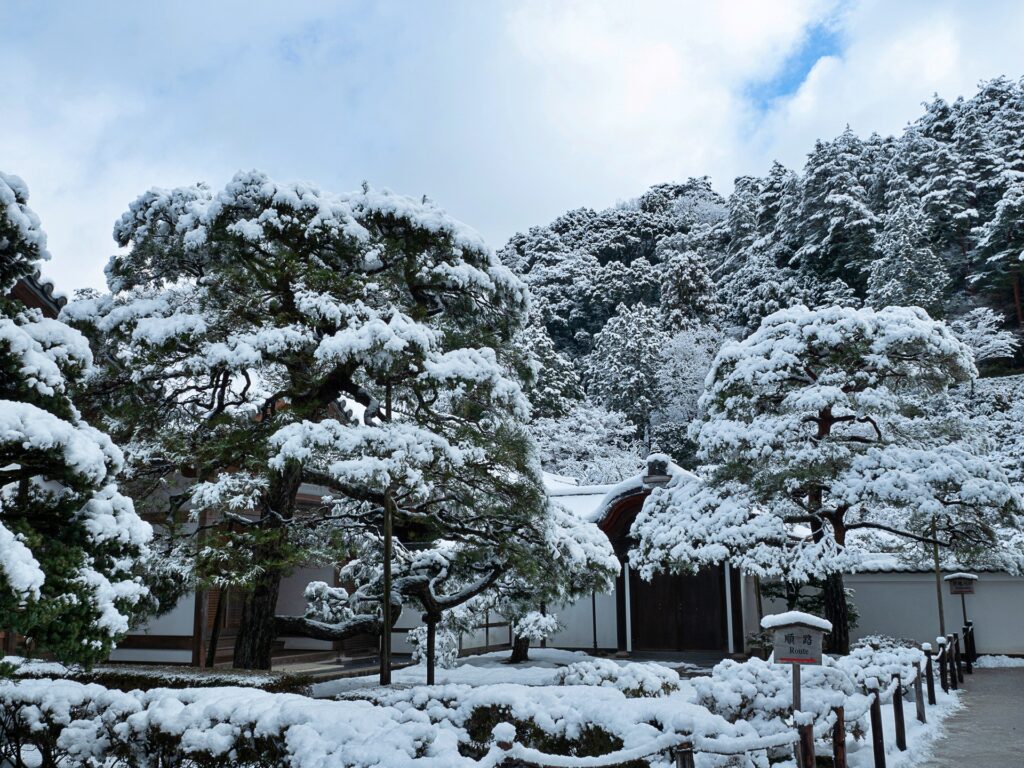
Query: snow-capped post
x: 943, y: 663
x: 798, y: 640
x: 877, y: 737
x: 929, y: 673
x: 839, y: 739
x: 897, y: 714
x: 684, y: 756
x: 919, y: 694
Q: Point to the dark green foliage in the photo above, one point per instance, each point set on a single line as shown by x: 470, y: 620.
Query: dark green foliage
x: 592, y: 740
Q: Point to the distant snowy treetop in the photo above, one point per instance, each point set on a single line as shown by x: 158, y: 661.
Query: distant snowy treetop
x: 795, y: 617
x: 22, y: 240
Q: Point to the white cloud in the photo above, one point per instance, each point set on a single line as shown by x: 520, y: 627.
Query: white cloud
x: 896, y: 57
x: 508, y: 115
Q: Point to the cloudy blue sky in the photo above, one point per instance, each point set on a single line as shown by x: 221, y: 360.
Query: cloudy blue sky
x: 507, y: 113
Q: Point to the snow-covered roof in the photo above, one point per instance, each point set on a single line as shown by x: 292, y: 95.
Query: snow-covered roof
x: 582, y: 500
x: 592, y: 502
x: 961, y: 575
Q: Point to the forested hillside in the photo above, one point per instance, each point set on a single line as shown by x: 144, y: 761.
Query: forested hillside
x: 631, y: 303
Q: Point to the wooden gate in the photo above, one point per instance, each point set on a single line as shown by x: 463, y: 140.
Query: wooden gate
x: 679, y: 612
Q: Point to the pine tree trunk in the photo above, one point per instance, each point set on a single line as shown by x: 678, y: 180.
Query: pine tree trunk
x: 431, y: 648
x: 838, y: 641
x: 520, y: 650
x: 256, y: 633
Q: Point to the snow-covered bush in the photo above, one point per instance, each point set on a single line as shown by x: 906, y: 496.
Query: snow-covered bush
x: 536, y: 626
x: 885, y: 659
x: 446, y: 646
x: 981, y: 330
x: 761, y: 693
x: 128, y: 677
x: 448, y: 725
x: 634, y: 680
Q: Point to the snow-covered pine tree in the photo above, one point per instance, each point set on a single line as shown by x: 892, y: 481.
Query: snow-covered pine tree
x: 686, y: 360
x: 554, y: 386
x: 248, y: 325
x: 908, y: 271
x: 982, y: 164
x: 580, y: 561
x: 590, y: 444
x: 1001, y: 246
x: 837, y: 227
x: 70, y: 544
x: 622, y: 371
x: 687, y: 290
x: 819, y: 427
x: 981, y: 330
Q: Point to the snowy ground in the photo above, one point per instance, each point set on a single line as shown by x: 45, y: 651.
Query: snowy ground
x: 483, y: 669
x: 999, y: 662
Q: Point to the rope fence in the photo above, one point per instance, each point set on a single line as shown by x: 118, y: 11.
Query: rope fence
x: 951, y: 661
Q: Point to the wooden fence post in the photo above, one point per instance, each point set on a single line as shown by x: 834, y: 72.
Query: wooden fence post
x: 943, y: 664
x: 806, y: 750
x: 897, y: 714
x: 839, y: 739
x: 929, y: 673
x: 684, y: 756
x: 919, y: 694
x: 954, y: 678
x: 974, y: 643
x: 957, y: 662
x: 966, y: 654
x: 877, y: 737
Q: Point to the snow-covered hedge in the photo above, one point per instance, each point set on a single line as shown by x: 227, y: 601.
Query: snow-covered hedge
x: 885, y: 659
x: 446, y: 726
x: 127, y: 677
x: 761, y: 694
x: 634, y: 680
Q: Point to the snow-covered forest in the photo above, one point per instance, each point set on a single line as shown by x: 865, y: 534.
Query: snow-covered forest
x: 636, y: 298
x: 277, y: 375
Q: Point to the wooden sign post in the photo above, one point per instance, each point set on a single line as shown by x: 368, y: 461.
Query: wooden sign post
x: 961, y: 584
x: 798, y: 641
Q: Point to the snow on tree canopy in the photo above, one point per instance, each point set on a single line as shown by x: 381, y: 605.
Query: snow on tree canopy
x: 255, y: 321
x: 776, y: 620
x: 835, y: 423
x: 70, y: 543
x: 22, y: 240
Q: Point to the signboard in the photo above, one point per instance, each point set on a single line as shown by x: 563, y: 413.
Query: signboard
x: 961, y: 586
x: 798, y: 645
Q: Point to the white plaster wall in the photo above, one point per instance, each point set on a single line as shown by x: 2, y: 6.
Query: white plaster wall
x: 577, y: 623
x: 905, y: 605
x: 177, y: 621
x: 290, y: 600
